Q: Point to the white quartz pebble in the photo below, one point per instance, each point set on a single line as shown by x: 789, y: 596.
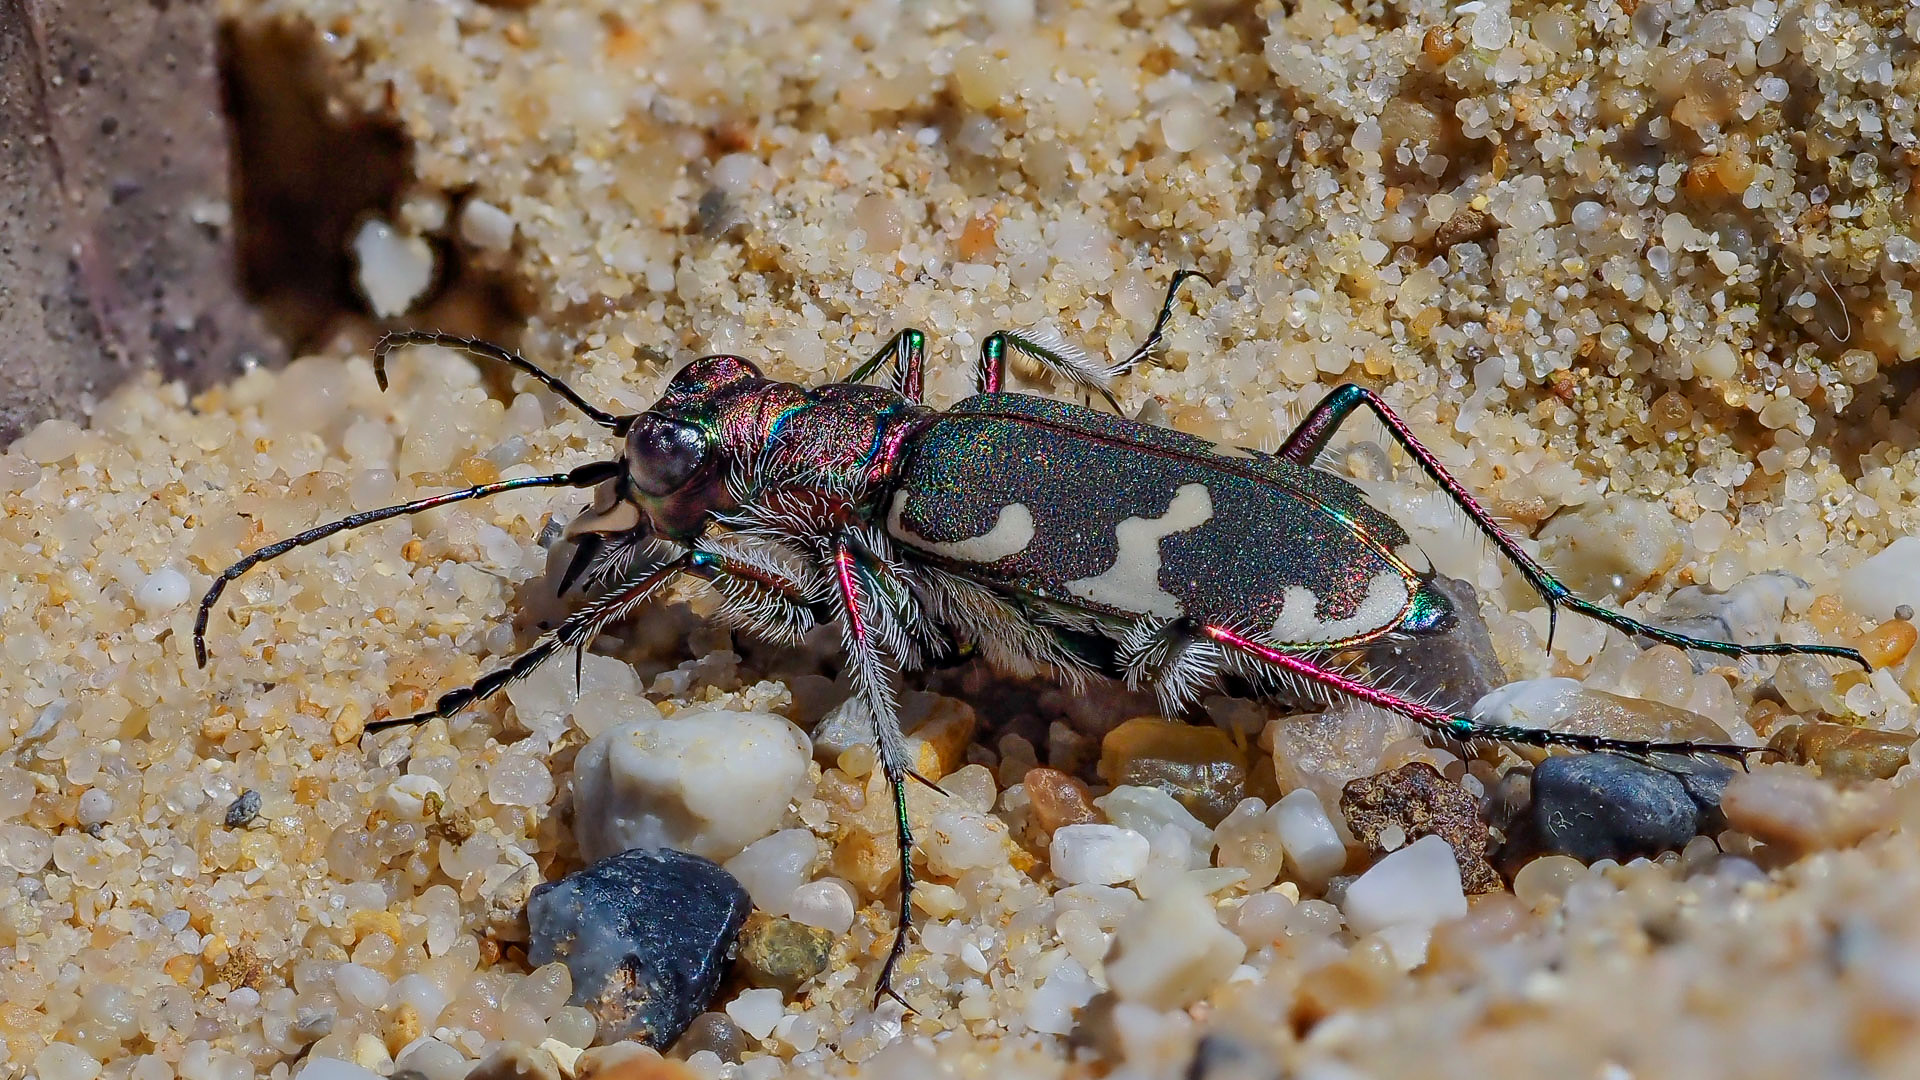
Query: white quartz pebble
x: 162, y: 591
x: 1092, y: 854
x: 961, y: 840
x: 772, y: 867
x: 757, y: 1011
x: 1885, y: 581
x: 1172, y: 951
x: 707, y: 781
x: 328, y: 1068
x: 1051, y: 1007
x: 1312, y: 843
x: 826, y: 905
x: 1417, y: 885
x: 394, y: 268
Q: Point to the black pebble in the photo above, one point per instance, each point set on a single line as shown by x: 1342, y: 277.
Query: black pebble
x: 244, y: 809
x: 646, y: 936
x: 1604, y: 806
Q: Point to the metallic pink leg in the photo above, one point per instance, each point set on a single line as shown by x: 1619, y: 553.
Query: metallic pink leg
x: 1462, y: 728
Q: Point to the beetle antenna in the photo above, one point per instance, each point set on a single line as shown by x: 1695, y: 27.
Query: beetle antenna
x: 486, y: 350
x: 588, y: 475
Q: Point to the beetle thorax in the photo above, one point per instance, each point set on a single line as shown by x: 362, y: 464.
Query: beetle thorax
x: 839, y: 441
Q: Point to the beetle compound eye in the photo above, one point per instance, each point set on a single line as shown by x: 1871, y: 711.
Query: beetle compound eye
x: 663, y: 454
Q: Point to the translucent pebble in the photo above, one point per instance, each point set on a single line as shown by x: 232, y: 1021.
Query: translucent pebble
x: 1184, y: 125
x: 1588, y: 216
x: 333, y: 1068
x: 407, y: 796
x: 441, y: 906
x: 485, y: 225
x: 362, y: 985
x: 1545, y: 880
x: 826, y: 905
x: 1097, y: 854
x: 95, y: 807
x: 1263, y: 918
x: 24, y: 848
x: 82, y: 858
x: 961, y: 840
x: 111, y: 1009
x: 1419, y: 885
x: 1173, y: 950
x: 422, y: 993
x: 772, y: 867
x: 572, y: 1025
x: 52, y: 442
x: 64, y: 1061
x: 1148, y: 810
x: 1247, y: 839
x: 519, y: 780
x: 16, y: 791
x: 1311, y: 841
x: 1068, y: 988
x: 163, y: 590
x: 757, y: 1011
x: 1885, y: 581
x: 428, y: 1057
x: 1492, y: 26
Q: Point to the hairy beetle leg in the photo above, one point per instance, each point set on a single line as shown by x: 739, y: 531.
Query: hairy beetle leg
x: 578, y: 631
x: 865, y: 625
x: 908, y: 351
x: 776, y: 600
x: 1069, y: 361
x: 1311, y: 437
x: 1464, y: 728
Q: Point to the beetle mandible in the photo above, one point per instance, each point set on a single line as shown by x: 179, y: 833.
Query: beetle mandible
x: 1047, y: 537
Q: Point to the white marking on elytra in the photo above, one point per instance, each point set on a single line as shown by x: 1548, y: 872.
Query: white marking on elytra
x: 1228, y: 450
x: 1132, y: 583
x: 1011, y: 533
x: 1300, y: 624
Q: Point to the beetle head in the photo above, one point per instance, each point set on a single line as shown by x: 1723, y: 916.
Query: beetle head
x: 674, y: 475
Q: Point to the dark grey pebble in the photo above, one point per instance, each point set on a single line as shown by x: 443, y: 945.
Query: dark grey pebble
x: 1604, y: 806
x: 646, y: 936
x: 1454, y: 667
x: 243, y: 810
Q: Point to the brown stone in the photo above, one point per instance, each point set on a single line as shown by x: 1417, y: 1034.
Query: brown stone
x: 1789, y: 808
x: 1842, y: 752
x: 1598, y: 712
x: 1200, y: 766
x: 1058, y: 800
x: 1418, y: 801
x: 1466, y: 226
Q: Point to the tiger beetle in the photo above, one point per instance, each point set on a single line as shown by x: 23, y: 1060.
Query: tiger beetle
x: 1043, y: 536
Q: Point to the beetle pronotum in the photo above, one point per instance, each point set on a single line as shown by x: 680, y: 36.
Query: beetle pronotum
x: 1046, y: 536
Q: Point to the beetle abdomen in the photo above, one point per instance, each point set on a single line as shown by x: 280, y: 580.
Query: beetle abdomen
x: 1119, y: 517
